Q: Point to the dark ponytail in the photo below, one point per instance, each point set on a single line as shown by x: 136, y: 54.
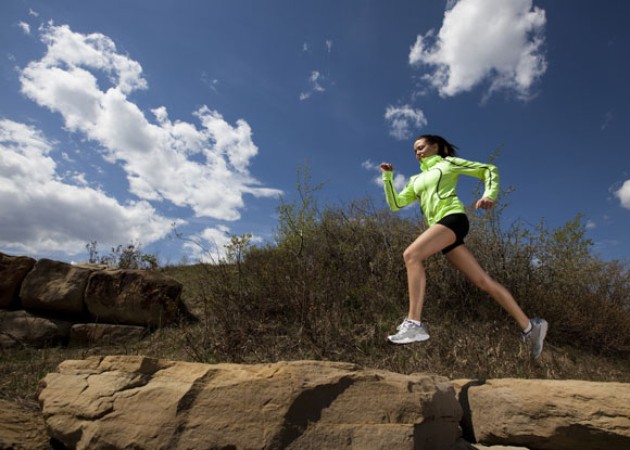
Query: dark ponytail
x: 445, y: 148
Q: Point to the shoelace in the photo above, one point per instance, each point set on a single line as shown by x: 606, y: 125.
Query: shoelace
x: 409, y: 324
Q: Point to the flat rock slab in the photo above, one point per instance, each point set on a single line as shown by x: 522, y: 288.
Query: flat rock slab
x: 21, y: 428
x: 547, y: 414
x: 137, y: 402
x: 22, y: 328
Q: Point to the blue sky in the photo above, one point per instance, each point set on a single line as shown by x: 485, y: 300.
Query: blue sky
x: 119, y: 119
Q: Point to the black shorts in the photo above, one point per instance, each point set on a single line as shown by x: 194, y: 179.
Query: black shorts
x: 460, y: 226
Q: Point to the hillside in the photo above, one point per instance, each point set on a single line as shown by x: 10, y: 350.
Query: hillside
x: 334, y: 286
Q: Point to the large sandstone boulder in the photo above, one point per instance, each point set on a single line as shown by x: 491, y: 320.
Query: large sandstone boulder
x: 142, y: 403
x: 21, y: 428
x: 55, y: 286
x: 547, y: 414
x: 133, y: 297
x: 13, y: 270
x: 21, y: 328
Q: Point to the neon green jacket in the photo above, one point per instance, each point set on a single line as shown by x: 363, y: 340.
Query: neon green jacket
x: 435, y: 187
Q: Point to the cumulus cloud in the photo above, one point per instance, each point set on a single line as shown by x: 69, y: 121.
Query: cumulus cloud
x: 623, y: 194
x: 404, y: 121
x: 48, y: 214
x: 201, y: 167
x: 480, y: 41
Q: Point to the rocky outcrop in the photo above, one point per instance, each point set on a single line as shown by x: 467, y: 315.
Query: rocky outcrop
x: 136, y: 402
x: 133, y: 297
x: 21, y: 328
x: 143, y: 403
x: 546, y: 414
x: 55, y: 286
x: 108, y: 304
x: 13, y: 270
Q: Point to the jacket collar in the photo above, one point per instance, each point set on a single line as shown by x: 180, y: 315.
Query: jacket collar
x: 428, y: 163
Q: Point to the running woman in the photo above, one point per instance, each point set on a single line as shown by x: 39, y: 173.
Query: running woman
x: 435, y: 189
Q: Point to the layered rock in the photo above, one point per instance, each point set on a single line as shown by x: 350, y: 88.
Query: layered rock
x: 136, y: 402
x: 21, y: 428
x: 133, y: 297
x: 547, y: 414
x: 13, y: 269
x: 21, y: 328
x: 106, y: 306
x: 55, y: 286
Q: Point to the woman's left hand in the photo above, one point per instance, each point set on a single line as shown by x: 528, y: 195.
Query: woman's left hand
x: 485, y: 203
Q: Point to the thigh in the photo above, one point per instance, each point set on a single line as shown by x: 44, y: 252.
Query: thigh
x: 434, y: 239
x: 465, y: 262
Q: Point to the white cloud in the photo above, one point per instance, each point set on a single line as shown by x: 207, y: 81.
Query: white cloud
x: 404, y: 121
x: 400, y: 181
x: 49, y: 215
x: 590, y: 225
x: 25, y: 27
x: 623, y: 194
x: 484, y: 40
x: 369, y: 165
x: 209, y: 246
x: 318, y: 82
x: 212, y: 83
x: 203, y: 168
x: 314, y: 81
x: 33, y: 13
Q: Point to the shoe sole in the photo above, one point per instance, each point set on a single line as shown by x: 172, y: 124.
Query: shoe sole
x: 420, y: 338
x: 543, y: 334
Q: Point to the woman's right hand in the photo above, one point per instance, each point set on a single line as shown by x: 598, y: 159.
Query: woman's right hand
x: 386, y: 167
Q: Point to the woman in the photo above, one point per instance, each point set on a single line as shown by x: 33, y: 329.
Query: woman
x: 434, y: 188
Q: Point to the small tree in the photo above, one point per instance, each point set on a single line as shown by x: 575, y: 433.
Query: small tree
x: 298, y: 219
x: 123, y: 257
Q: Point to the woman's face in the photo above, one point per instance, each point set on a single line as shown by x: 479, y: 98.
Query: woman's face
x: 423, y: 149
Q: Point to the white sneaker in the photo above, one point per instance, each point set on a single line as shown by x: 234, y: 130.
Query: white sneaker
x: 536, y: 337
x: 409, y: 332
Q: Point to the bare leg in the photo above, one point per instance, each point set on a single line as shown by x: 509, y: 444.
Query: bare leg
x: 466, y: 263
x: 431, y: 241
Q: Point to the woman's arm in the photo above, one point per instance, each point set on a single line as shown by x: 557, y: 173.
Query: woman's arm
x: 489, y: 173
x: 395, y: 200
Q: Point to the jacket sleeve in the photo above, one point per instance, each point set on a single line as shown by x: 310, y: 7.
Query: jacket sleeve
x: 489, y: 173
x: 395, y: 200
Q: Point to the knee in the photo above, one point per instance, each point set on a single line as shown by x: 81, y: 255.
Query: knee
x: 412, y: 257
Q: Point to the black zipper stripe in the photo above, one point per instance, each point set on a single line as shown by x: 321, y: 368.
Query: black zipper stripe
x: 490, y: 178
x: 437, y: 191
x: 393, y: 193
